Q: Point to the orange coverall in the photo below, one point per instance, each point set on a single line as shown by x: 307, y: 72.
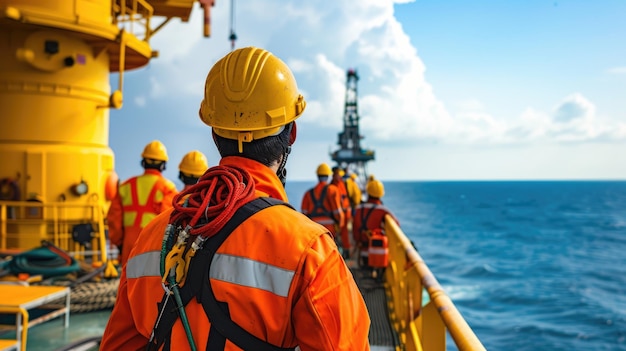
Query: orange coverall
x: 374, y: 212
x: 347, y: 211
x: 330, y: 215
x: 313, y: 302
x: 138, y: 201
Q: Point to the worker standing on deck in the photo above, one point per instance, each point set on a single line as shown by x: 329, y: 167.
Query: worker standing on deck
x: 346, y: 208
x: 250, y: 271
x: 369, y: 217
x: 354, y: 191
x: 322, y: 203
x: 140, y: 199
x: 192, y: 167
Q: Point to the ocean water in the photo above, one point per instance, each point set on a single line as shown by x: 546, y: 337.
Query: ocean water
x: 531, y: 265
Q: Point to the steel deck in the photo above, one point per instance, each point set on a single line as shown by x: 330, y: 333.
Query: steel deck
x: 382, y: 336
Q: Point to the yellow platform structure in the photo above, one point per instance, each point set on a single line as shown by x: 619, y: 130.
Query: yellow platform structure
x: 57, y: 174
x: 19, y: 299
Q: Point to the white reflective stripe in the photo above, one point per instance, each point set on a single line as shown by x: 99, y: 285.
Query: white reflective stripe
x: 233, y: 269
x: 377, y: 251
x: 147, y: 264
x: 246, y: 272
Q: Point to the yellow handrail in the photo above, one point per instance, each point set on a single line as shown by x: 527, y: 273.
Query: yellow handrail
x: 421, y: 326
x: 21, y: 323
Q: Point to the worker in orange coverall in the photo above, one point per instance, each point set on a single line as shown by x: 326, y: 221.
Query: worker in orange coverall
x: 140, y: 199
x: 345, y: 230
x: 368, y: 217
x: 234, y: 266
x: 322, y: 203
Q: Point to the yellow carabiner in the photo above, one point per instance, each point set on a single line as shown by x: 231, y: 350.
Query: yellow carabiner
x: 174, y: 259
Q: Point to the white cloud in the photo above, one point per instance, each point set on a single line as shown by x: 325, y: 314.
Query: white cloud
x: 617, y: 70
x: 140, y: 101
x: 574, y: 107
x: 320, y: 40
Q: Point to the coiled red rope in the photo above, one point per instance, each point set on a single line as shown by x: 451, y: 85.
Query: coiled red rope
x: 214, y: 199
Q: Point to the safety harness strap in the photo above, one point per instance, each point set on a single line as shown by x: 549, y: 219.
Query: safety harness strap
x: 222, y: 326
x: 318, y: 204
x: 218, y: 317
x: 365, y: 217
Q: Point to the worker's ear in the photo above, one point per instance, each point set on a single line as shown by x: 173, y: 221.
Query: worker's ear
x: 292, y: 134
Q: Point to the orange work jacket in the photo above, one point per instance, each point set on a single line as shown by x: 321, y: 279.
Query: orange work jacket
x: 329, y: 214
x: 347, y: 211
x: 139, y: 200
x: 278, y: 272
x: 368, y: 216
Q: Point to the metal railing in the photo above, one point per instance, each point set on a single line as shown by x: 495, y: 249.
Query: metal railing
x: 421, y: 326
x: 24, y: 224
x: 134, y: 17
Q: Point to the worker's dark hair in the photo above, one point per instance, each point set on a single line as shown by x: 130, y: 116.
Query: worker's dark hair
x: 187, y: 179
x: 266, y: 150
x: 148, y: 163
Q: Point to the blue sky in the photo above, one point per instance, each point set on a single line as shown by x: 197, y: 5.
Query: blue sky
x: 449, y: 90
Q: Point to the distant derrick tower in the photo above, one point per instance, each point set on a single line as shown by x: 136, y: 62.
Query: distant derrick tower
x: 350, y: 154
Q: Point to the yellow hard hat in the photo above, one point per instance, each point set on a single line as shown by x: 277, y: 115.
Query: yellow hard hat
x: 250, y: 94
x: 324, y: 170
x: 194, y: 163
x: 353, y: 176
x: 375, y: 188
x: 337, y: 170
x: 155, y: 150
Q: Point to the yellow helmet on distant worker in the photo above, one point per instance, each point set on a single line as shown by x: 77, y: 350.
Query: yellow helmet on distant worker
x: 353, y: 176
x: 194, y: 163
x: 339, y: 171
x: 375, y: 188
x: 250, y: 94
x: 155, y: 150
x: 324, y: 170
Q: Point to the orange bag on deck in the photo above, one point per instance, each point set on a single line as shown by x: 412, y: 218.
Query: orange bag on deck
x: 378, y: 250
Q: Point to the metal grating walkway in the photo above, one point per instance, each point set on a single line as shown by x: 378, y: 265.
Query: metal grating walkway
x: 382, y: 336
